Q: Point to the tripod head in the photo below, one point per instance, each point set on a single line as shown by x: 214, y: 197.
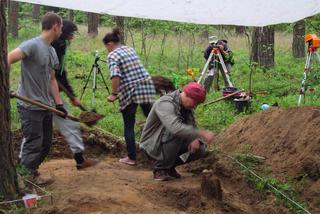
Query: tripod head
x: 313, y: 41
x: 97, y: 58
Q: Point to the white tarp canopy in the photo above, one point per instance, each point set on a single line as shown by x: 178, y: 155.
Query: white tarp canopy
x: 213, y: 12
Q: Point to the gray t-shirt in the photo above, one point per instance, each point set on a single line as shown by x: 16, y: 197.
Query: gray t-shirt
x: 36, y: 68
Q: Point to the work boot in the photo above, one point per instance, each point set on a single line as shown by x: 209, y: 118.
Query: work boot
x: 173, y: 173
x: 160, y: 175
x: 87, y: 163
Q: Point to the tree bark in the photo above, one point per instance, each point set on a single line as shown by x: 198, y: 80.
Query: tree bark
x: 266, y: 47
x: 13, y: 18
x: 298, y: 43
x: 119, y: 20
x: 262, y: 49
x: 7, y: 169
x: 93, y: 22
x: 254, y: 45
x: 71, y: 15
x: 240, y: 30
x: 36, y: 13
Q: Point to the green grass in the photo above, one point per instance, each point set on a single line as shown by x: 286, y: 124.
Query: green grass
x: 283, y: 81
x: 264, y: 183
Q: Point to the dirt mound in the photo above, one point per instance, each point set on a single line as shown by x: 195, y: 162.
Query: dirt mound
x: 162, y: 84
x: 289, y: 140
x: 96, y: 143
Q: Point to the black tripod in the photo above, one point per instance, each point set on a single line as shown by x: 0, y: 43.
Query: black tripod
x: 95, y: 70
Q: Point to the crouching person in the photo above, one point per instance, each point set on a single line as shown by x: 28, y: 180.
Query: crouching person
x: 170, y: 131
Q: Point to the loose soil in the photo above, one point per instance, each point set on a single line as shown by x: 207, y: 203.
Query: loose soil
x: 112, y: 187
x: 90, y: 118
x: 290, y: 142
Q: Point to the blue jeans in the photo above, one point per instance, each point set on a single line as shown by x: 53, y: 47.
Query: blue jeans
x: 129, y: 119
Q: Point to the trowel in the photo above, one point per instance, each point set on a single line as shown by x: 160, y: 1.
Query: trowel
x: 184, y: 157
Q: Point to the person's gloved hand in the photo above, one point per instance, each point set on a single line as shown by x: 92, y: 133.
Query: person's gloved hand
x: 62, y: 109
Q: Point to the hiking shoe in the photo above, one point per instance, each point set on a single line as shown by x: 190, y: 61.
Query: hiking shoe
x: 128, y: 161
x: 160, y: 175
x: 87, y: 163
x: 173, y: 173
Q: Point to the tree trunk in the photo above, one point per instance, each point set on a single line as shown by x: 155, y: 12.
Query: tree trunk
x: 36, y: 13
x: 93, y: 22
x: 7, y: 168
x: 254, y: 45
x: 262, y: 49
x: 71, y: 15
x: 13, y: 18
x: 119, y: 20
x: 298, y: 43
x: 240, y: 30
x: 266, y: 47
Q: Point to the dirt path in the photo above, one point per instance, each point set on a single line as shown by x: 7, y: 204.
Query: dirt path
x: 112, y: 187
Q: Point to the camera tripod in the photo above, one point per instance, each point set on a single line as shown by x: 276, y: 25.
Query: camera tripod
x: 313, y: 44
x: 215, y: 58
x: 95, y: 70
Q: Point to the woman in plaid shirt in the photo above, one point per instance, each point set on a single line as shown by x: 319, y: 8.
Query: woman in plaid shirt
x: 131, y: 84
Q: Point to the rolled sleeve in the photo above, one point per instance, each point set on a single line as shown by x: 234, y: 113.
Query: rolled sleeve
x: 114, y: 68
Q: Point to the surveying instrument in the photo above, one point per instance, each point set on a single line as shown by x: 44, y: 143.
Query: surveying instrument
x: 95, y: 70
x: 313, y: 44
x: 212, y: 74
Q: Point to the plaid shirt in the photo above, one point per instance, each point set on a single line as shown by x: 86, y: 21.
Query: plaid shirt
x: 136, y: 85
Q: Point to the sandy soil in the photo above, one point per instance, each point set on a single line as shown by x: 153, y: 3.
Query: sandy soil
x: 289, y: 140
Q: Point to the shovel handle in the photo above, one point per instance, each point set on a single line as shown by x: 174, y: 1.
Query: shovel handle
x: 222, y: 98
x: 70, y: 95
x: 41, y: 105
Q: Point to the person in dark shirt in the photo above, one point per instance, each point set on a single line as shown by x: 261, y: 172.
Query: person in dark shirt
x: 68, y: 128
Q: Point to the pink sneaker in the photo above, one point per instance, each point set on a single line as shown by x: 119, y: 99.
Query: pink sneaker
x: 128, y: 161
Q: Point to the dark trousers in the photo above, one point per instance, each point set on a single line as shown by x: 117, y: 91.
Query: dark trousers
x: 129, y: 119
x: 171, y: 151
x: 36, y: 126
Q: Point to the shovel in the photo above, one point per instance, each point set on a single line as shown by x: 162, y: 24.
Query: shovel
x: 70, y: 95
x: 86, y: 120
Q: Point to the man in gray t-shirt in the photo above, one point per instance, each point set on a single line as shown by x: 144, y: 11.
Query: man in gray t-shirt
x: 40, y: 59
x: 37, y: 82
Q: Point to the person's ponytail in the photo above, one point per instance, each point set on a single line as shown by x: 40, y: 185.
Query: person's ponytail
x: 114, y: 36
